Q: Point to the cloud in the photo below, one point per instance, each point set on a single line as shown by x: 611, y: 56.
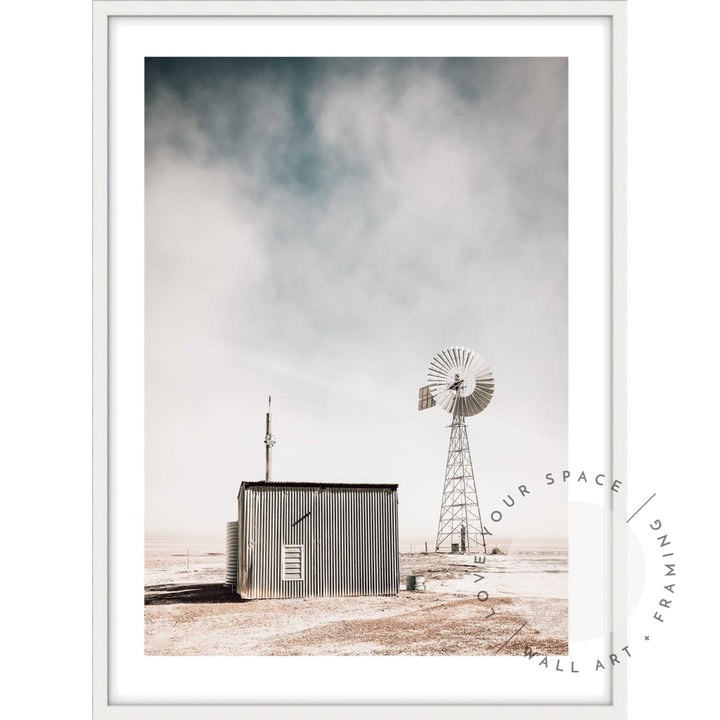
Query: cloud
x: 320, y: 228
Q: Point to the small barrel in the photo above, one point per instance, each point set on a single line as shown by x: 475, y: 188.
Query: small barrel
x: 415, y: 583
x: 231, y: 554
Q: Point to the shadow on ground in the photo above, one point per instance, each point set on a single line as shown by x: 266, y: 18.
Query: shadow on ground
x: 190, y: 594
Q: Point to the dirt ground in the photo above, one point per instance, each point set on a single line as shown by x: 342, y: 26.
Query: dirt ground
x: 188, y: 611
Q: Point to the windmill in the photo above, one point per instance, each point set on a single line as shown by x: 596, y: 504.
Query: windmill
x: 461, y: 383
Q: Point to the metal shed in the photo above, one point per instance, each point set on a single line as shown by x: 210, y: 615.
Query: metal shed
x: 313, y: 539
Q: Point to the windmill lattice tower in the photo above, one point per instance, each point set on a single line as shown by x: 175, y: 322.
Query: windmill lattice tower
x: 461, y: 383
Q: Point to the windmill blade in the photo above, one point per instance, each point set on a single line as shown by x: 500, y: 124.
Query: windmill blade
x: 460, y: 381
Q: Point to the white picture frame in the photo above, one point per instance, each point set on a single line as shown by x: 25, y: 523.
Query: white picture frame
x: 104, y: 319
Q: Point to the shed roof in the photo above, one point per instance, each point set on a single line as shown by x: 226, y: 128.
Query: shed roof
x: 374, y: 486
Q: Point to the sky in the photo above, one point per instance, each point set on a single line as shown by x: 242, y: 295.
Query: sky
x: 317, y: 230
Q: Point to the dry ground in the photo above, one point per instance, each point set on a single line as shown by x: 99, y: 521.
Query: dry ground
x: 193, y: 614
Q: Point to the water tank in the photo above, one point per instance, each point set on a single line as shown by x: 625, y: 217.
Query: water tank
x: 231, y: 554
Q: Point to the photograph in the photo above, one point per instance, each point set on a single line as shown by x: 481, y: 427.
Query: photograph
x: 355, y: 356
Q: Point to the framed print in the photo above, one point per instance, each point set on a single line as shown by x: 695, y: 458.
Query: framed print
x: 359, y: 431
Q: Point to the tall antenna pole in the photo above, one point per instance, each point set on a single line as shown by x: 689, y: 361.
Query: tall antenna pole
x: 269, y: 442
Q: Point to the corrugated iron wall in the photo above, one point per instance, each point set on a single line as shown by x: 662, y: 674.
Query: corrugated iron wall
x: 231, y: 553
x: 350, y: 539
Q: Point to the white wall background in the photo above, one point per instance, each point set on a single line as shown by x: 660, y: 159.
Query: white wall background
x: 45, y: 310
